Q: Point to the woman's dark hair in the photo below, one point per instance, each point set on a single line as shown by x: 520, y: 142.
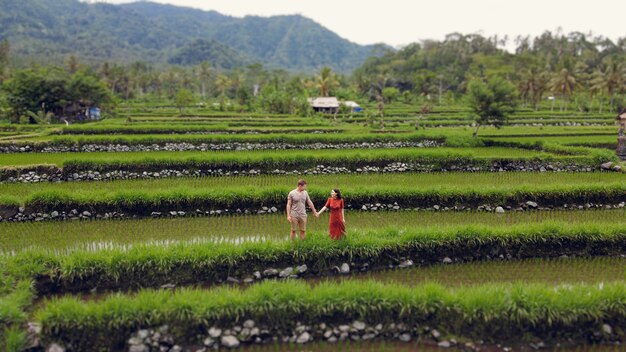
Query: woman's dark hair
x: 338, y: 192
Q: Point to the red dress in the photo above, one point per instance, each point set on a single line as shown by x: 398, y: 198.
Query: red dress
x: 336, y: 227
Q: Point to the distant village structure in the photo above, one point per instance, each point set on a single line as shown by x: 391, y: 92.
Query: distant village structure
x: 326, y: 105
x: 621, y: 138
x: 331, y: 105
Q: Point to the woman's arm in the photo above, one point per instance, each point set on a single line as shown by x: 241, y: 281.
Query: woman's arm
x: 324, y: 208
x: 343, y: 214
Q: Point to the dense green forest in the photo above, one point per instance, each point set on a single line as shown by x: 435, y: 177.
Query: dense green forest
x: 578, y: 71
x: 558, y: 71
x: 42, y: 30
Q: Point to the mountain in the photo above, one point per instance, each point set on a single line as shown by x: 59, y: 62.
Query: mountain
x: 143, y: 31
x: 218, y: 54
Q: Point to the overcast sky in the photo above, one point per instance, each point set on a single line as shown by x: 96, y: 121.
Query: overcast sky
x: 400, y: 22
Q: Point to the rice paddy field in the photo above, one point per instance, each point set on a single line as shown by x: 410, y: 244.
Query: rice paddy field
x: 462, y: 252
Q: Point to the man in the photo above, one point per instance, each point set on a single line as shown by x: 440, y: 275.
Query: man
x: 296, y: 209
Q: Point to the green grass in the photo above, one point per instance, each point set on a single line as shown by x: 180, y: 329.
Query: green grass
x: 320, y: 185
x: 590, y: 141
x: 140, y: 197
x: 351, y: 132
x: 548, y: 271
x: 491, y: 312
x: 96, y: 235
x: 15, y: 299
x: 155, y: 264
x: 96, y: 129
x: 290, y: 156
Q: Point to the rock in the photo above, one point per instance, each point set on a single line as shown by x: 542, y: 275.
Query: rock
x: 537, y: 346
x: 286, y: 273
x: 444, y: 344
x: 345, y: 268
x: 138, y: 348
x: 406, y: 337
x: 55, y: 348
x: 248, y: 324
x: 86, y: 214
x: 499, y: 210
x: 617, y: 168
x: 358, y: 325
x: 143, y: 334
x: 168, y: 286
x: 136, y: 340
x: 229, y: 341
x: 270, y: 272
x: 447, y: 260
x: 531, y: 204
x: 54, y: 214
x: 232, y: 280
x: 215, y: 332
x: 301, y: 268
x: 405, y: 264
x: 435, y: 334
x: 209, y: 342
x: 303, y: 338
x: 607, y: 329
x: 607, y: 165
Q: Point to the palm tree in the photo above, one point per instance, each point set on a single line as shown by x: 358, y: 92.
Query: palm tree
x: 41, y: 117
x: 326, y: 81
x: 223, y: 83
x: 564, y: 83
x: 532, y: 85
x: 138, y: 76
x: 204, y: 74
x: 609, y: 79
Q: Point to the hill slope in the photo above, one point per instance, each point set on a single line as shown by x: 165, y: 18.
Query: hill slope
x: 159, y: 33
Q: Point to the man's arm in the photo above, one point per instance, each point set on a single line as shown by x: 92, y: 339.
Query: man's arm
x: 289, y: 209
x: 311, y: 205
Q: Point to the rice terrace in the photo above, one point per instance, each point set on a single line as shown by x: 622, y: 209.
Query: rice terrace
x: 174, y: 179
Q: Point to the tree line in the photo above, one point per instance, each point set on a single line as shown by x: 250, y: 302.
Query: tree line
x: 560, y: 71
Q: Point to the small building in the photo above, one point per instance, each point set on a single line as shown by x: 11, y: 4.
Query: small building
x: 326, y: 105
x: 353, y: 105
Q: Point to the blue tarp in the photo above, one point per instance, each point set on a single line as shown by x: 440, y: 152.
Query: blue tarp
x: 94, y: 113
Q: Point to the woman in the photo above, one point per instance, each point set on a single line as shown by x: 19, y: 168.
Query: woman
x: 337, y: 226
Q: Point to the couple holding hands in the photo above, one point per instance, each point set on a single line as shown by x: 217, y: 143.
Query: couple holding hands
x: 296, y: 211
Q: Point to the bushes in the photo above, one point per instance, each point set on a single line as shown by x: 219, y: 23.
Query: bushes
x: 491, y: 312
x: 184, y: 263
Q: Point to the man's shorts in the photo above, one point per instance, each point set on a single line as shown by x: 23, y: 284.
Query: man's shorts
x: 298, y: 223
